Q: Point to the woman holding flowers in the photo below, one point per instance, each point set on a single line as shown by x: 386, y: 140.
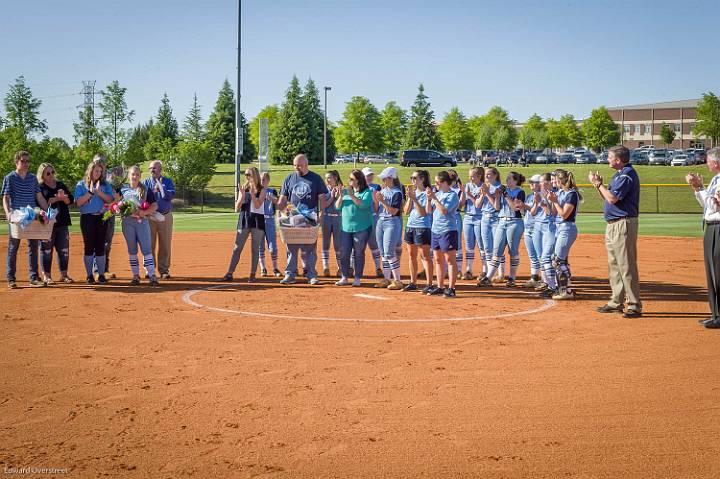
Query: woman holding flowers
x: 251, y: 205
x: 135, y: 226
x: 92, y: 193
x: 58, y: 197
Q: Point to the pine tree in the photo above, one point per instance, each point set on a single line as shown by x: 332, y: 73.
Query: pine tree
x: 163, y: 134
x: 421, y: 132
x: 220, y: 129
x: 114, y: 113
x: 192, y: 126
x: 313, y: 116
x: 291, y: 132
x: 23, y: 109
x: 139, y: 136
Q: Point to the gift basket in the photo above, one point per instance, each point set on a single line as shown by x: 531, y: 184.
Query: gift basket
x: 298, y: 225
x: 32, y: 223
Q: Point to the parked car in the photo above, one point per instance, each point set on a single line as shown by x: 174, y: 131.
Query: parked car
x: 639, y: 157
x: 602, y: 158
x: 426, y: 158
x: 681, y: 160
x: 343, y: 159
x: 463, y: 155
x: 546, y: 158
x: 585, y: 159
x: 658, y: 157
x: 566, y: 158
x: 370, y: 159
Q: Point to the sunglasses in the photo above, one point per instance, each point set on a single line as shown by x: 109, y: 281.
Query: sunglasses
x: 24, y: 161
x: 48, y: 173
x: 414, y: 177
x: 248, y: 174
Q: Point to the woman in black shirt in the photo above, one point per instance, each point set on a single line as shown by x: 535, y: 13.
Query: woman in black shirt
x: 59, y: 197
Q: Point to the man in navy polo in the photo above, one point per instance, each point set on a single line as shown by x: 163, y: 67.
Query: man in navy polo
x: 21, y: 189
x: 161, y: 231
x: 622, y: 201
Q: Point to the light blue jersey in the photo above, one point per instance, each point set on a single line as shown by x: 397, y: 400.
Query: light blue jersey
x: 444, y: 223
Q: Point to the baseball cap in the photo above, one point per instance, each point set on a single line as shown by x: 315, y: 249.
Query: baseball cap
x: 388, y: 172
x: 535, y: 179
x: 367, y: 171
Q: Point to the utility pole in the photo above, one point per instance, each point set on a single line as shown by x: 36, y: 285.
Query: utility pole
x: 238, y: 127
x: 88, y: 104
x: 325, y: 129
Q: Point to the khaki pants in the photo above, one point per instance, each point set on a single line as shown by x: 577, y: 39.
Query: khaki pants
x: 621, y: 245
x: 161, y: 236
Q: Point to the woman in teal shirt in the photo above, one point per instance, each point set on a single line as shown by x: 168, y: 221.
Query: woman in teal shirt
x: 355, y: 203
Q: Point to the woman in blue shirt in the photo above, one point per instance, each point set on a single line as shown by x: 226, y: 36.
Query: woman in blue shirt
x: 331, y: 223
x: 456, y: 185
x: 92, y: 193
x: 443, y: 205
x: 544, y: 231
x: 271, y: 199
x: 388, y: 231
x: 417, y: 231
x: 533, y: 255
x: 488, y: 202
x: 472, y: 222
x: 509, y: 229
x: 136, y: 228
x: 565, y: 203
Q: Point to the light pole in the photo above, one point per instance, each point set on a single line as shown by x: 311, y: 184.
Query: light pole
x: 239, y: 133
x: 325, y: 129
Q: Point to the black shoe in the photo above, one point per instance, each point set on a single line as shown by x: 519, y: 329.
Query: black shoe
x: 434, y: 291
x: 165, y: 276
x: 510, y: 283
x: 102, y: 279
x: 706, y: 320
x: 548, y: 293
x: 228, y: 278
x: 135, y: 281
x: 426, y: 289
x: 154, y: 282
x: 484, y: 281
x: 90, y: 280
x: 449, y: 293
x: 609, y: 309
x: 714, y: 324
x: 632, y: 314
x: 410, y: 287
x: 12, y: 284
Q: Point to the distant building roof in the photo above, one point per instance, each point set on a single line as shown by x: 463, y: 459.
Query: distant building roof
x: 657, y: 106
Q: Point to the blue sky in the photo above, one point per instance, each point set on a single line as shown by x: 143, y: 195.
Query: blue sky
x: 550, y: 57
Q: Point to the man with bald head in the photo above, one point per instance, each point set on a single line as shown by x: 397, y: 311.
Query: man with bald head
x: 302, y: 187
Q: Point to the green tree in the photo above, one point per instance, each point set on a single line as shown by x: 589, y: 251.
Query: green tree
x: 192, y: 164
x: 13, y: 139
x: 667, y: 134
x: 533, y: 134
x: 138, y: 138
x: 475, y: 124
x: 359, y: 130
x: 504, y: 138
x: 291, y: 132
x: 488, y: 125
x: 421, y: 131
x: 556, y: 135
x: 600, y: 131
x: 87, y: 135
x: 313, y: 115
x: 163, y: 134
x: 192, y: 126
x: 454, y: 131
x: 708, y: 118
x: 114, y: 112
x: 570, y: 131
x: 220, y: 129
x: 69, y: 167
x: 23, y: 109
x: 485, y: 138
x: 271, y: 112
x: 393, y: 121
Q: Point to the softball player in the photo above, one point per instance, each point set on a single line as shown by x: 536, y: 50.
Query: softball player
x: 443, y: 206
x: 509, y: 229
x: 489, y: 204
x: 331, y: 223
x: 533, y: 256
x: 565, y: 203
x: 417, y: 232
x: 372, y: 240
x: 544, y: 231
x: 472, y: 222
x: 271, y: 199
x: 389, y: 202
x: 457, y: 186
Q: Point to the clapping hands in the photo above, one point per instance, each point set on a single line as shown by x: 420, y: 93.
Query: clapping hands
x: 595, y: 178
x: 694, y: 180
x: 552, y: 196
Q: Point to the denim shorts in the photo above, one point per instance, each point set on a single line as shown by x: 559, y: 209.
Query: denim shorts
x: 418, y: 236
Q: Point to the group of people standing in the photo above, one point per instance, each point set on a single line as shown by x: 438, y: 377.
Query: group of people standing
x: 357, y: 214
x: 92, y: 195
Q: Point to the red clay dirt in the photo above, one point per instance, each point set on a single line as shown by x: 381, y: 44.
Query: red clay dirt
x: 120, y: 381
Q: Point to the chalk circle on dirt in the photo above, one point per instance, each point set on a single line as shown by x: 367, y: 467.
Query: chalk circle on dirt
x: 188, y: 299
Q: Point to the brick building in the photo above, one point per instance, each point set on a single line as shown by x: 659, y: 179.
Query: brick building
x: 641, y: 124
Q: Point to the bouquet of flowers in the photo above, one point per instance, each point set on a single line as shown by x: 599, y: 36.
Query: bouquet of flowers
x: 116, y: 176
x: 25, y: 216
x: 125, y: 208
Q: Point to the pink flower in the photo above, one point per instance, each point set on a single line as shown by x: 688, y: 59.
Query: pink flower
x: 145, y: 205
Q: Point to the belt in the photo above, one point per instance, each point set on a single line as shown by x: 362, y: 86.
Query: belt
x: 166, y: 213
x: 711, y: 223
x: 616, y: 220
x: 505, y: 218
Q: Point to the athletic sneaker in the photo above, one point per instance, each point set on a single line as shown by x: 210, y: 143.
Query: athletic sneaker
x: 277, y: 273
x: 379, y: 273
x: 395, y: 285
x: 37, y: 283
x: 66, y: 279
x: 288, y: 280
x: 434, y: 291
x: 410, y: 287
x: 135, y: 281
x: 12, y: 284
x: 384, y: 283
x: 314, y: 281
x: 342, y: 282
x: 162, y: 276
x: 252, y: 279
x: 90, y: 279
x: 449, y: 293
x: 109, y: 275
x: 154, y: 281
x: 562, y: 295
x: 48, y: 280
x: 510, y: 283
x: 263, y: 272
x: 102, y: 279
x: 228, y: 278
x: 548, y: 293
x: 541, y: 287
x: 484, y: 281
x: 531, y: 283
x: 426, y: 289
x: 468, y: 276
x: 356, y: 282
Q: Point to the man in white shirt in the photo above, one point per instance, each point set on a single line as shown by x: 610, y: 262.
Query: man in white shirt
x: 709, y: 199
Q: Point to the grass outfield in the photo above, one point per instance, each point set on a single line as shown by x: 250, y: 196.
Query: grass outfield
x: 590, y: 223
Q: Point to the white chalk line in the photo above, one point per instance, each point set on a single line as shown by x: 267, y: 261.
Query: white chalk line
x: 370, y: 296
x: 187, y: 298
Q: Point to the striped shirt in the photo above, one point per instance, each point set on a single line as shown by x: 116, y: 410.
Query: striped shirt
x: 21, y: 190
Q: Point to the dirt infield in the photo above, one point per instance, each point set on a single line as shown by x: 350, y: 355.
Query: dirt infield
x: 240, y: 381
